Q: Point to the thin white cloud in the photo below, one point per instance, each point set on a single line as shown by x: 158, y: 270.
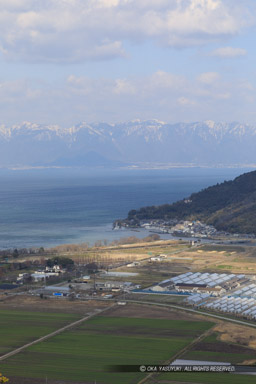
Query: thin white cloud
x: 78, y: 30
x: 208, y: 77
x: 123, y: 86
x: 162, y: 95
x: 14, y: 94
x: 229, y: 52
x: 185, y: 101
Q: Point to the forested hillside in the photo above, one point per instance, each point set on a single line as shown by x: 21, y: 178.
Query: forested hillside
x: 229, y: 206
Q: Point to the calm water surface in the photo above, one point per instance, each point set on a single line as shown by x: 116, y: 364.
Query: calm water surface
x: 51, y: 207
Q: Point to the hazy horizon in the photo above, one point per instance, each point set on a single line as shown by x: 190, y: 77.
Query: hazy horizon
x: 118, y: 60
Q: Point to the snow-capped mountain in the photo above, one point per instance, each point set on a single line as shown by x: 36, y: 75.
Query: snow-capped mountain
x: 134, y: 142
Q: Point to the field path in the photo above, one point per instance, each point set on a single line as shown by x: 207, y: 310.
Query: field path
x: 60, y: 330
x: 179, y: 354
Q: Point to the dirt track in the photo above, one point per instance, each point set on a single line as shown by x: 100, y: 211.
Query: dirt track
x: 60, y: 330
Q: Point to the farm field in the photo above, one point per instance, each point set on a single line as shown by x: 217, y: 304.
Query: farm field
x: 84, y: 354
x: 21, y: 327
x: 182, y: 258
x: 221, y: 258
x: 126, y: 252
x: 35, y: 304
x: 212, y: 349
x: 203, y: 378
x: 161, y: 298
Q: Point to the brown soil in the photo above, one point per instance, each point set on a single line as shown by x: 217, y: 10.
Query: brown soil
x: 34, y: 303
x: 249, y: 362
x: 240, y: 261
x: 221, y: 347
x: 148, y: 311
x: 238, y: 334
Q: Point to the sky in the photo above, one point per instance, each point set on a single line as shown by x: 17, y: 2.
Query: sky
x: 67, y: 61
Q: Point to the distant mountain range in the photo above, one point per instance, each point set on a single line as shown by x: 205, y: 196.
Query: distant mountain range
x: 229, y: 206
x: 141, y: 143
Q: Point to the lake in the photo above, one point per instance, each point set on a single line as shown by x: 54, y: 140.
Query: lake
x: 57, y: 206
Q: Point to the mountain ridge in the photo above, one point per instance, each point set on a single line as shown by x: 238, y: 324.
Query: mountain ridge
x: 134, y: 142
x: 229, y: 206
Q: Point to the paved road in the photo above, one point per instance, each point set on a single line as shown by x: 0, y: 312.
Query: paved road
x: 63, y: 329
x: 194, y: 311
